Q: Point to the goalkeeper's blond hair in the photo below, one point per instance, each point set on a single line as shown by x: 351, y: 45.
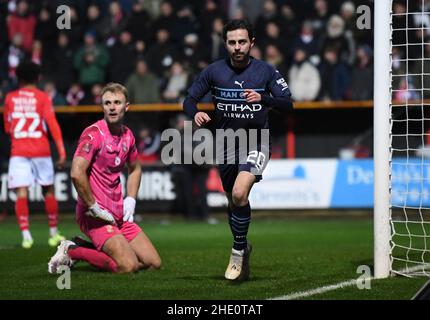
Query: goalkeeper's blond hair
x: 115, y: 87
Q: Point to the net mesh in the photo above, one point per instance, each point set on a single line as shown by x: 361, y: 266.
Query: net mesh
x: 410, y: 137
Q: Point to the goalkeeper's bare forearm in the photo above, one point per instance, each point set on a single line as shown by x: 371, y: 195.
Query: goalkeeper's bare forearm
x: 80, y: 180
x: 133, y: 181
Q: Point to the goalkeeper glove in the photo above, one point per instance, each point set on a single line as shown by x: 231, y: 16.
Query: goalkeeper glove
x: 96, y: 212
x: 129, y: 206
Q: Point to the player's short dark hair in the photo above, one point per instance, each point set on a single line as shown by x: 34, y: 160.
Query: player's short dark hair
x: 238, y: 24
x: 28, y: 72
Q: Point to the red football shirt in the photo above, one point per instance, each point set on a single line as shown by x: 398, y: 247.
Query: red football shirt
x: 28, y: 113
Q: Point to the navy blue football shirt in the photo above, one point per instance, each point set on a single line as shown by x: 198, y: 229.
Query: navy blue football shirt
x: 227, y: 85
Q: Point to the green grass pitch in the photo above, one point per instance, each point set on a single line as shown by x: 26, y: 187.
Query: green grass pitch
x: 290, y: 255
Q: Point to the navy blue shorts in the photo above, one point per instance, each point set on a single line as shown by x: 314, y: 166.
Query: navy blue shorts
x: 255, y: 163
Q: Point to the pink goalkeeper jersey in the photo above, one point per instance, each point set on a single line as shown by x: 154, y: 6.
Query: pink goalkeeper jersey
x: 107, y: 155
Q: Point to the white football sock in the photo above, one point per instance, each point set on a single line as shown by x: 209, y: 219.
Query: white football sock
x: 26, y: 235
x: 238, y: 252
x: 53, y: 231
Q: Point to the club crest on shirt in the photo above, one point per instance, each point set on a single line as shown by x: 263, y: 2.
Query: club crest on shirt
x: 117, y: 160
x: 109, y: 229
x: 87, y: 147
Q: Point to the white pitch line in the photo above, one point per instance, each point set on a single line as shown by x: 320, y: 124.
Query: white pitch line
x: 312, y: 292
x: 6, y: 248
x: 340, y: 285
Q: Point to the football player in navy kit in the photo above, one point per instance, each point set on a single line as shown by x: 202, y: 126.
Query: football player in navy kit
x: 243, y: 90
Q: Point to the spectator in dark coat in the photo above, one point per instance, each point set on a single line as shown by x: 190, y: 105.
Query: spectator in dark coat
x: 194, y: 55
x: 270, y: 13
x: 274, y: 56
x: 95, y: 21
x: 76, y: 31
x: 335, y: 77
x: 420, y: 66
x: 122, y: 56
x: 3, y: 27
x: 362, y: 75
x: 320, y: 16
x: 307, y: 40
x: 186, y: 23
x: 337, y: 37
x: 162, y: 54
x: 62, y: 63
x: 167, y: 20
x: 140, y: 50
x: 215, y: 44
x: 272, y: 36
x: 46, y: 29
x: 208, y: 14
x: 46, y: 34
x: 117, y: 22
x: 139, y: 23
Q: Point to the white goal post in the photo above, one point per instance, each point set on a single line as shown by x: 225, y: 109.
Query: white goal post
x: 381, y: 129
x: 401, y: 137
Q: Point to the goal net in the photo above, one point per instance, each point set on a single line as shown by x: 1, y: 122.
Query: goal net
x: 409, y: 167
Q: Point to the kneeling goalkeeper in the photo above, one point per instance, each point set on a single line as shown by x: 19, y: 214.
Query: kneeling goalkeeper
x: 104, y: 148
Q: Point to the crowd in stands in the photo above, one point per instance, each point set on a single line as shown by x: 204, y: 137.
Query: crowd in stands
x: 156, y: 47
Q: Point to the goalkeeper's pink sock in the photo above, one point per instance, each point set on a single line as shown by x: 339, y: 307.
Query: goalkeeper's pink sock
x: 98, y: 259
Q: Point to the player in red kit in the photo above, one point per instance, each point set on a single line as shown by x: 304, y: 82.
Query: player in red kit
x: 28, y: 113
